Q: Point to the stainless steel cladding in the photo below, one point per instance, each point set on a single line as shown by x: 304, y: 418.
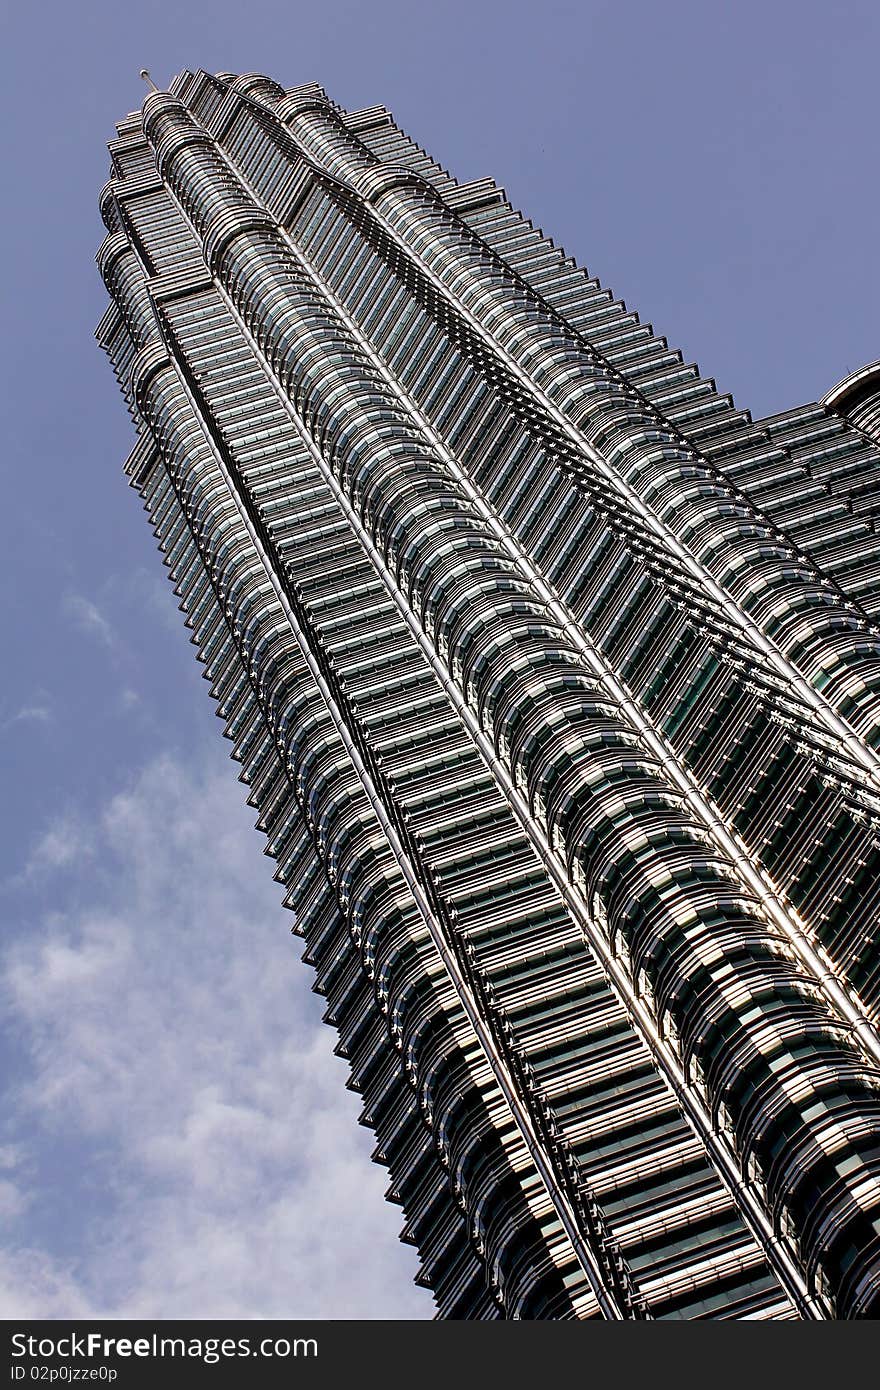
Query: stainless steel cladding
x: 556, y: 683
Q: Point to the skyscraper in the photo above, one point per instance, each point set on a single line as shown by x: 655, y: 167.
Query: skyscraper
x: 555, y: 680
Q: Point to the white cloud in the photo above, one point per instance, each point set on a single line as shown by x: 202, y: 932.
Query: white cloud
x: 87, y: 616
x: 37, y: 712
x: 173, y: 1038
x: 67, y: 841
x: 33, y: 1285
x: 12, y: 1200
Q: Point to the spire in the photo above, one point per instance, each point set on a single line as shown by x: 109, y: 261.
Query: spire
x: 148, y: 79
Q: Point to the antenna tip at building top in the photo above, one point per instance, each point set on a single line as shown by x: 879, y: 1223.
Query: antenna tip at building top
x: 144, y: 73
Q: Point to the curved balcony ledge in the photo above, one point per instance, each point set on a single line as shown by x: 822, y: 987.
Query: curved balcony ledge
x: 853, y: 389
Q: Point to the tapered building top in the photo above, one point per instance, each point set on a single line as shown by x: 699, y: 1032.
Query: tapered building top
x: 556, y: 683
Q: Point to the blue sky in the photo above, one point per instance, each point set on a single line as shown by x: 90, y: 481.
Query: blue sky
x: 176, y: 1137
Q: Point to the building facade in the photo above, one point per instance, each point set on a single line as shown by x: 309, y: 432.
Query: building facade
x: 555, y: 682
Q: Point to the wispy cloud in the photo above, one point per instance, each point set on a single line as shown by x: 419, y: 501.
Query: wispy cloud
x: 13, y: 1201
x: 36, y: 712
x: 87, y: 616
x: 176, y: 1063
x: 68, y: 841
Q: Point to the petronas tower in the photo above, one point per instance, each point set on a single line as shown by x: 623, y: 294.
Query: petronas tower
x: 554, y: 679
